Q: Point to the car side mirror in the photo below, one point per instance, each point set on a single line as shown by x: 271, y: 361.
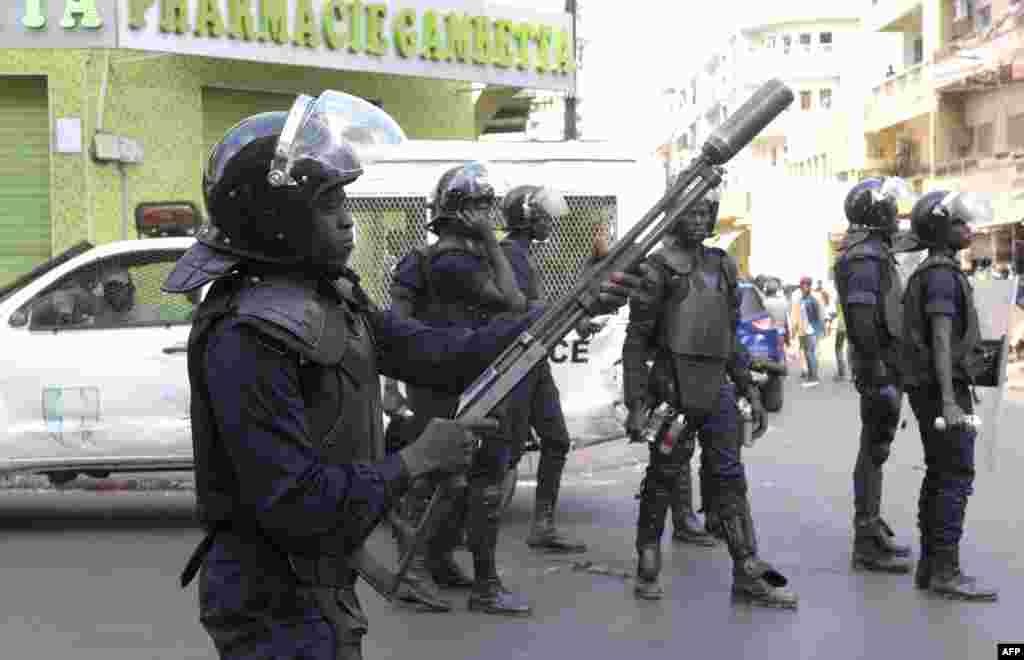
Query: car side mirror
x: 18, y: 319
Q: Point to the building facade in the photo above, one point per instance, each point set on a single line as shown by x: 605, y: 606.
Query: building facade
x: 163, y: 81
x: 951, y: 114
x: 788, y: 184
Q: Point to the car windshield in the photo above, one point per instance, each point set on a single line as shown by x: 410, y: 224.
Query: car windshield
x: 21, y: 282
x: 750, y: 302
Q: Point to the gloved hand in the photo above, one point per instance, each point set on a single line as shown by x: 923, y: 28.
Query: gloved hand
x: 759, y: 423
x: 394, y: 404
x: 445, y: 445
x: 619, y: 288
x: 479, y: 222
x: 588, y: 326
x: 954, y: 415
x: 635, y: 421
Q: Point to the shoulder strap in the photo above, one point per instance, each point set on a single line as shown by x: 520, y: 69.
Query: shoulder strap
x: 298, y: 316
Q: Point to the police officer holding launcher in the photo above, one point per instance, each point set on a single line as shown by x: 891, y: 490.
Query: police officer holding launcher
x: 529, y: 213
x: 941, y: 335
x: 283, y: 362
x: 691, y: 326
x: 870, y: 294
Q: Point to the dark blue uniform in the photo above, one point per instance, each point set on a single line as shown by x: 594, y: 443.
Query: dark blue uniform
x: 272, y: 495
x: 545, y: 406
x: 717, y: 427
x: 949, y: 454
x: 456, y: 276
x: 879, y: 411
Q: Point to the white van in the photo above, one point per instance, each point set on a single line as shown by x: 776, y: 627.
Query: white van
x: 604, y: 184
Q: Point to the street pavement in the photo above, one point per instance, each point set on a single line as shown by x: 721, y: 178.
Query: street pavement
x: 91, y: 573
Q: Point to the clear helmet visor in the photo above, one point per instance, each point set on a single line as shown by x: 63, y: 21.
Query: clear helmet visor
x: 896, y: 189
x: 550, y: 202
x: 330, y: 135
x: 973, y: 209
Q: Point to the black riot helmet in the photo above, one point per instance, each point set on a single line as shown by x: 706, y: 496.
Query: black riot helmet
x: 933, y: 217
x: 461, y: 195
x: 533, y: 209
x: 872, y: 203
x: 273, y: 188
x: 699, y: 223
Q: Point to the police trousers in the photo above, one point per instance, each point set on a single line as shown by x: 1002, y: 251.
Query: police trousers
x: 949, y: 466
x: 722, y: 476
x: 540, y: 408
x: 879, y: 418
x: 254, y: 607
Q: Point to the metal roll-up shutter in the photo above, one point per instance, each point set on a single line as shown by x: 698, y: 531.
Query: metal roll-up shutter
x: 24, y: 176
x: 223, y: 108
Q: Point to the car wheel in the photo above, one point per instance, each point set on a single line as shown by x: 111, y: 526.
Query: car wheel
x: 771, y: 394
x: 59, y: 479
x: 508, y: 487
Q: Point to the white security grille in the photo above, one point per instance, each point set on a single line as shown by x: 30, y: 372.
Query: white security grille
x: 387, y: 228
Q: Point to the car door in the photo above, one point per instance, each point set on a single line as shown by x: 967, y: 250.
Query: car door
x: 100, y: 369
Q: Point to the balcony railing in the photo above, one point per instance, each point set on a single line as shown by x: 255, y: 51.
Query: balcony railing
x: 900, y: 97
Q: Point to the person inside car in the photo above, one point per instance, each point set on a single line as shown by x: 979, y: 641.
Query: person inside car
x: 118, y: 305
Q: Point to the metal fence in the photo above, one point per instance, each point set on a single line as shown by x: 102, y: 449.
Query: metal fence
x: 389, y: 227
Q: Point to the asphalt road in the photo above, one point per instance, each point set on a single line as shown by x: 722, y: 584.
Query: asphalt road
x: 92, y: 574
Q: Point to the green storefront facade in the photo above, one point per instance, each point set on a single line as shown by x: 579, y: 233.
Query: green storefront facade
x: 71, y: 83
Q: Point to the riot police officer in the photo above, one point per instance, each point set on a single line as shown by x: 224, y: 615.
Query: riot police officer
x: 529, y: 213
x: 462, y: 280
x: 691, y: 327
x: 941, y: 334
x: 283, y: 364
x: 870, y: 295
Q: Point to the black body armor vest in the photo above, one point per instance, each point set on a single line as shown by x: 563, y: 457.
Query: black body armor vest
x: 445, y: 308
x: 889, y: 310
x: 696, y: 334
x: 919, y: 359
x: 324, y: 327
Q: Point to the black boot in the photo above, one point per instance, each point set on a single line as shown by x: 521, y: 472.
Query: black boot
x: 685, y: 526
x: 868, y: 507
x: 887, y: 539
x: 923, y: 574
x: 418, y: 587
x: 543, y: 534
x: 441, y: 551
x: 871, y: 553
x: 753, y: 580
x: 948, y: 581
x: 648, y: 567
x: 654, y: 503
x: 489, y: 595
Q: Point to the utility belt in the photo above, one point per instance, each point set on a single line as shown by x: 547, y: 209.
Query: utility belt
x: 315, y: 571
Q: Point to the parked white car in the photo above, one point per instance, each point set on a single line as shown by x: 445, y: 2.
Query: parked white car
x: 93, y: 371
x: 92, y: 385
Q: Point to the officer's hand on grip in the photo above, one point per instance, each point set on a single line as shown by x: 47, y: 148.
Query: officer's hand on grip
x: 619, y: 288
x: 395, y: 404
x: 635, y: 421
x: 445, y: 445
